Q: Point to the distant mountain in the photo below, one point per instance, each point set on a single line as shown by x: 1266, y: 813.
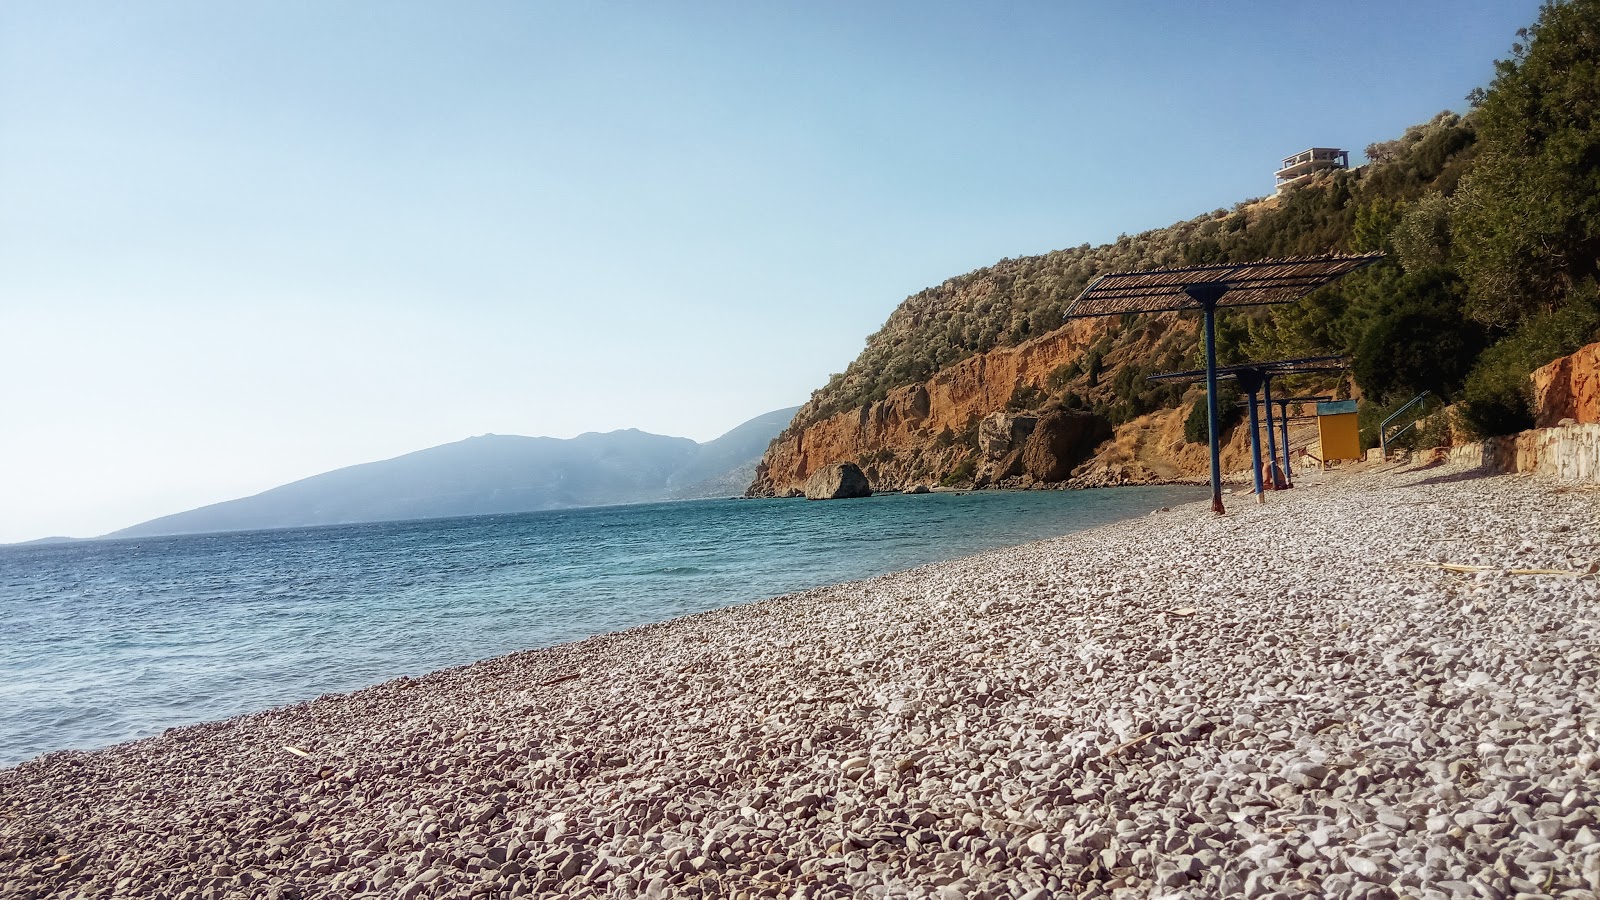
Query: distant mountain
x: 496, y: 473
x: 724, y: 467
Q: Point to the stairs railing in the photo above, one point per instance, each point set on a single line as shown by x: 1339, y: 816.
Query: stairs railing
x: 1384, y: 437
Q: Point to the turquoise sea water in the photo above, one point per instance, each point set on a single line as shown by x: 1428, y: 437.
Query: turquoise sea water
x: 106, y: 641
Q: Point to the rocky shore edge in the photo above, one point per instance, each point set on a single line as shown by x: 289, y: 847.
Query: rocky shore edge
x: 1373, y: 686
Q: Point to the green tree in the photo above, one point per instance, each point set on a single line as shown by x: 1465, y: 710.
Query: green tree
x: 1497, y: 398
x: 1527, y: 218
x: 1197, y: 427
x: 1420, y: 341
x: 1375, y: 219
x: 1421, y: 238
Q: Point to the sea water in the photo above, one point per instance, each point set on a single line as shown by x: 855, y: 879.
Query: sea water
x: 106, y: 641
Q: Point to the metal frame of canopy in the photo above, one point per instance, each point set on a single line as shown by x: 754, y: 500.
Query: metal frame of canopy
x: 1253, y: 377
x: 1208, y: 288
x: 1283, y: 418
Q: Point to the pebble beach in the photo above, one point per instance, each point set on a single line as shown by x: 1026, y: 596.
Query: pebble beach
x: 1380, y: 684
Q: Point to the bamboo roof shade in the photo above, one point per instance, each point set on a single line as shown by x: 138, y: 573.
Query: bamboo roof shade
x: 1285, y: 401
x: 1235, y: 284
x: 1274, y: 368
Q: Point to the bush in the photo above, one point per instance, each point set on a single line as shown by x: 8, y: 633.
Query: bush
x: 1498, y: 397
x: 1062, y: 375
x: 1025, y: 396
x: 1092, y: 365
x: 961, y: 474
x: 1422, y: 341
x: 1197, y: 427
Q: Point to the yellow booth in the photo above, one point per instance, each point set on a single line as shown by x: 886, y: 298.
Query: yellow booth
x: 1337, y: 429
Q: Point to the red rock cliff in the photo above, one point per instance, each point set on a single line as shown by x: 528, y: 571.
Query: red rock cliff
x: 1568, y: 388
x: 958, y: 422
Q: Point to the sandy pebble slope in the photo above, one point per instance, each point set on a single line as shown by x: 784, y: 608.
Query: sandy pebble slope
x: 1335, y: 718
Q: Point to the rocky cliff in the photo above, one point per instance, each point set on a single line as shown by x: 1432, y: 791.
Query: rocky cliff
x: 1568, y: 388
x: 981, y: 380
x: 1011, y: 417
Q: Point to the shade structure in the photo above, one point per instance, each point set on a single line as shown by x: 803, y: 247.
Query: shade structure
x: 1235, y: 284
x: 1285, y: 402
x: 1208, y: 288
x: 1270, y: 369
x: 1284, y: 419
x: 1253, y: 377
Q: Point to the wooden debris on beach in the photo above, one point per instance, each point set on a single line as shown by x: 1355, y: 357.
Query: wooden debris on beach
x: 1129, y: 745
x: 297, y: 751
x: 1472, y: 569
x: 561, y: 678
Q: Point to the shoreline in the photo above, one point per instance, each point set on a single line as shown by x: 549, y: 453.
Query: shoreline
x: 358, y: 624
x: 1151, y: 705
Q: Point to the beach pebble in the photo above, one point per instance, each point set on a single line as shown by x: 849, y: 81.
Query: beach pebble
x: 1291, y: 700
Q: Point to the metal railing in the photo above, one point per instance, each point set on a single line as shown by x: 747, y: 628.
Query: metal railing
x: 1384, y: 437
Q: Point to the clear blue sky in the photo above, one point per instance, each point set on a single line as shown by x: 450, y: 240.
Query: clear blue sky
x: 246, y: 242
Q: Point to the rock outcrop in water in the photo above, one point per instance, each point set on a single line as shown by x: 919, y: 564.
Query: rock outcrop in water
x: 839, y: 481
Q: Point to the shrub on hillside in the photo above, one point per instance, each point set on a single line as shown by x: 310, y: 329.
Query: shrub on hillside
x: 1421, y: 341
x: 961, y: 474
x: 1498, y: 396
x: 1024, y: 397
x: 1197, y: 427
x: 1525, y: 223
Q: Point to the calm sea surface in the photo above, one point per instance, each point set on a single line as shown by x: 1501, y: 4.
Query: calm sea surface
x: 106, y: 641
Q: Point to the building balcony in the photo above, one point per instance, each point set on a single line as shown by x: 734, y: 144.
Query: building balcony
x: 1307, y: 162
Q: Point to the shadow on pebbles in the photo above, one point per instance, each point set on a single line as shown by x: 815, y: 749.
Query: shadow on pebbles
x: 1291, y: 700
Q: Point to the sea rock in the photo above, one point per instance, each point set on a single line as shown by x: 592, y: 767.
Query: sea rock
x: 1060, y: 441
x: 1001, y: 433
x: 837, y: 482
x: 916, y: 489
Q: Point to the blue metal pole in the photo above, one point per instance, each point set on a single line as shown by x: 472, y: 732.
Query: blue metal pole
x: 1272, y: 437
x: 1255, y: 449
x: 1211, y: 406
x: 1288, y: 468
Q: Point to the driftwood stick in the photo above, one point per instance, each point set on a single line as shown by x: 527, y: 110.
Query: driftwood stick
x: 1131, y: 744
x: 560, y: 678
x: 1462, y: 567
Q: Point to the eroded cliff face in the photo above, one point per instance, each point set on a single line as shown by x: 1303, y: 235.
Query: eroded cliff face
x: 1568, y: 388
x: 963, y: 426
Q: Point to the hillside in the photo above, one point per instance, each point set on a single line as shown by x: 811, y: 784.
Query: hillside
x: 1493, y: 242
x: 494, y: 474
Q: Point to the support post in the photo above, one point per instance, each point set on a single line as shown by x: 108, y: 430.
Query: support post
x: 1272, y: 437
x: 1288, y: 467
x: 1210, y: 305
x: 1255, y: 450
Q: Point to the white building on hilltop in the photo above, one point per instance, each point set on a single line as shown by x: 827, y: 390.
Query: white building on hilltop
x: 1298, y: 168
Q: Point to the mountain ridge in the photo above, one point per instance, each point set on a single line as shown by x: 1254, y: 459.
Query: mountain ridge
x: 492, y: 474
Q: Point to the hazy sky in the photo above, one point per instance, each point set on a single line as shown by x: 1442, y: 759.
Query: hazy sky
x: 246, y: 242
